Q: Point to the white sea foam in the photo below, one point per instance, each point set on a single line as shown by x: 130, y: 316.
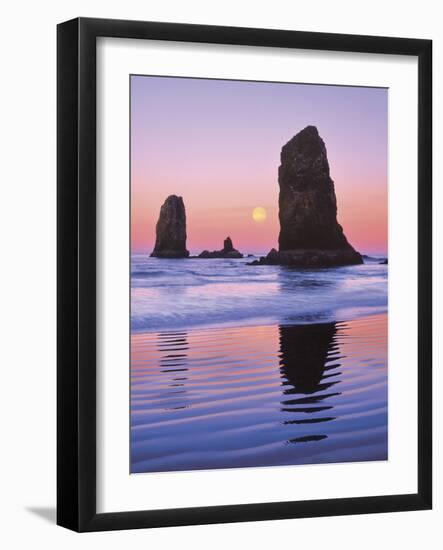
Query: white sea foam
x: 173, y: 294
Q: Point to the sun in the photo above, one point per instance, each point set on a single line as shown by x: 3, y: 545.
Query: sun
x: 259, y: 214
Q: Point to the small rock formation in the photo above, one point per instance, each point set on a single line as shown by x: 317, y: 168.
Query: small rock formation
x: 228, y: 251
x: 384, y: 262
x: 310, y: 235
x: 171, y: 230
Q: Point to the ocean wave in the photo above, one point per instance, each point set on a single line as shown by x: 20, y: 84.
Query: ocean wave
x: 202, y: 293
x: 150, y: 273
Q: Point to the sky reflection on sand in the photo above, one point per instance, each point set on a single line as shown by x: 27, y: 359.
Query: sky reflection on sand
x: 259, y: 396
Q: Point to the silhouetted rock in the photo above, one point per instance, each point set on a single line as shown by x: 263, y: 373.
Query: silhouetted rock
x: 171, y: 230
x: 310, y: 235
x: 227, y: 245
x: 309, y: 258
x: 228, y: 251
x: 384, y: 262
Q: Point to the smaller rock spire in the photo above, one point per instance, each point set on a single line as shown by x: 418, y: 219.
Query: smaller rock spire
x: 171, y: 230
x: 228, y: 251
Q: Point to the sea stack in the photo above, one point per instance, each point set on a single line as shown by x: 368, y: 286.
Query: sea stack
x: 310, y: 235
x: 228, y: 251
x: 171, y: 230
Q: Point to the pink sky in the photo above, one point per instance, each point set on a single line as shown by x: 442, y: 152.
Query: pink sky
x: 217, y: 144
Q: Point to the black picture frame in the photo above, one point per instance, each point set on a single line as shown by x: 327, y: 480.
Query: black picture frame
x: 76, y: 279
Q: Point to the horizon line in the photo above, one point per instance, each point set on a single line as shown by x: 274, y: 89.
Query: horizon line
x: 140, y: 252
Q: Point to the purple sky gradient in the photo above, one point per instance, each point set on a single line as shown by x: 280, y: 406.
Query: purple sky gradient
x: 217, y: 143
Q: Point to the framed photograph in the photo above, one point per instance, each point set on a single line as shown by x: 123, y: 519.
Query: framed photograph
x: 244, y: 274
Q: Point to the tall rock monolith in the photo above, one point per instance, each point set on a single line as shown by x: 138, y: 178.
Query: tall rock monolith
x: 171, y: 230
x: 310, y: 235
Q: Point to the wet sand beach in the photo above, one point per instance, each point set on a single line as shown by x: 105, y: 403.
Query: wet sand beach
x: 265, y: 395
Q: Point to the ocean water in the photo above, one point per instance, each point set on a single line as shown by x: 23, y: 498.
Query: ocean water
x: 170, y: 294
x: 239, y: 366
